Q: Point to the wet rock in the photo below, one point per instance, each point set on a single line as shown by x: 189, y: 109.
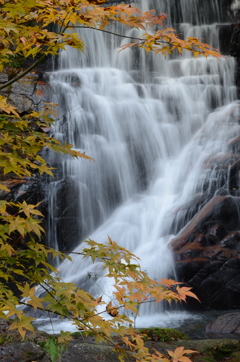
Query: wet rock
x: 220, y: 210
x: 215, y: 282
x: 231, y: 240
x: 235, y: 52
x: 227, y: 323
x: 216, y: 233
x: 235, y: 41
x: 187, y: 212
x: 207, y: 255
x: 234, y: 144
x: 201, y: 238
x: 70, y: 216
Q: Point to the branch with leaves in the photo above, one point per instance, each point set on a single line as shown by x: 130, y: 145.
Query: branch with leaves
x: 132, y: 288
x: 24, y: 29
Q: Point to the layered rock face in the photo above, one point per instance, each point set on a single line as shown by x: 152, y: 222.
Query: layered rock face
x: 207, y: 250
x: 207, y: 254
x: 235, y: 52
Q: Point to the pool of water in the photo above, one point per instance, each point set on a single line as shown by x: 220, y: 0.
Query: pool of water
x: 192, y: 324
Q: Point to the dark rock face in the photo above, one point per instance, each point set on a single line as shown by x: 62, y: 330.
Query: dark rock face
x: 207, y: 254
x: 207, y: 249
x: 235, y: 52
x: 227, y: 323
x: 235, y: 41
x: 69, y: 220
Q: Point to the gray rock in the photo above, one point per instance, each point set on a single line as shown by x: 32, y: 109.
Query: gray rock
x: 22, y: 352
x: 21, y: 101
x: 27, y: 94
x: 227, y: 323
x: 86, y: 352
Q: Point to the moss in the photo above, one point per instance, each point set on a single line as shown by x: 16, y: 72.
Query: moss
x: 219, y: 353
x: 53, y: 348
x: 209, y: 359
x: 2, y: 339
x: 76, y: 334
x: 31, y: 355
x: 163, y: 334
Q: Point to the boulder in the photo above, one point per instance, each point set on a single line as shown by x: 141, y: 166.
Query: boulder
x: 25, y: 352
x: 227, y: 323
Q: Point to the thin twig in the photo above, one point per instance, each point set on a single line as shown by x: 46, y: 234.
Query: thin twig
x: 105, y: 31
x: 116, y: 34
x: 49, y: 316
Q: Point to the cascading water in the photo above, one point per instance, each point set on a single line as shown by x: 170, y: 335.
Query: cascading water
x: 149, y: 123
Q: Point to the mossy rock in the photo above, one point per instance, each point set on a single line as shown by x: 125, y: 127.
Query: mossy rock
x: 163, y: 334
x: 235, y: 357
x: 220, y: 352
x: 210, y: 350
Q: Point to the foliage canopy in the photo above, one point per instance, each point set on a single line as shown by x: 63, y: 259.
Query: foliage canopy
x: 34, y: 29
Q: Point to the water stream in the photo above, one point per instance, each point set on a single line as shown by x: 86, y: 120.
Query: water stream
x: 150, y: 123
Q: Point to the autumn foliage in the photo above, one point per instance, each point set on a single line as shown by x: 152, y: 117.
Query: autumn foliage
x: 35, y: 29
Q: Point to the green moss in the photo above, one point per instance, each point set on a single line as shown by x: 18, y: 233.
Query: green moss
x: 31, y: 355
x: 2, y: 339
x: 53, y: 348
x: 163, y: 334
x: 209, y: 359
x: 76, y: 334
x: 218, y: 353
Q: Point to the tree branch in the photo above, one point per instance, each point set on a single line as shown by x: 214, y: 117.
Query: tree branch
x: 105, y: 31
x: 115, y: 34
x: 21, y: 75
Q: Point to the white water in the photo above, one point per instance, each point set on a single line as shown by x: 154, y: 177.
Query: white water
x: 150, y: 123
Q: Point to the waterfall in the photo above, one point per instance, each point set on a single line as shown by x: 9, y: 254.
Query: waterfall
x: 150, y: 124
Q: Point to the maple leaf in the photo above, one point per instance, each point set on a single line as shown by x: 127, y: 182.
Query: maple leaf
x: 4, y: 188
x: 64, y: 337
x: 183, y: 292
x: 98, y: 300
x: 22, y: 325
x: 178, y: 354
x: 28, y: 209
x: 33, y: 225
x: 18, y: 224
